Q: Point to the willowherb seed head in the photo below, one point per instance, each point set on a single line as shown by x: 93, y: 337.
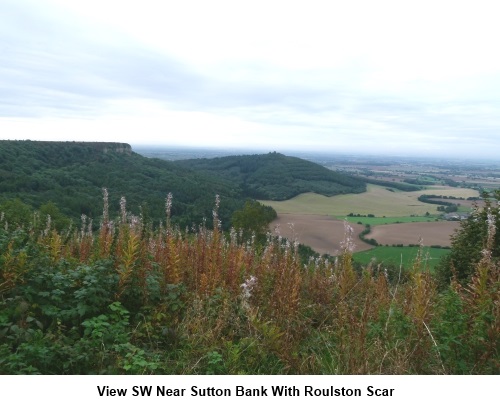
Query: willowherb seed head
x: 486, y: 253
x: 105, y: 210
x: 48, y: 225
x: 84, y: 225
x: 215, y: 211
x: 347, y: 245
x: 421, y: 241
x: 89, y: 228
x: 111, y: 226
x: 123, y: 209
x: 134, y: 222
x: 233, y: 236
x: 247, y: 287
x: 490, y: 220
x: 168, y: 205
x: 152, y: 246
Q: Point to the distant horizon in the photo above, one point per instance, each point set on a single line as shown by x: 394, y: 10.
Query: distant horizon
x: 318, y: 152
x: 283, y: 150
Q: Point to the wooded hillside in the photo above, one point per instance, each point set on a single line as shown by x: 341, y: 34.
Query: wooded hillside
x: 71, y: 175
x: 274, y: 176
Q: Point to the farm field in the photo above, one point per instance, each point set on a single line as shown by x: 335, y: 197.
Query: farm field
x: 377, y: 200
x: 318, y: 220
x: 446, y: 191
x: 322, y: 233
x: 387, y: 220
x: 467, y: 204
x: 405, y: 255
x: 432, y: 233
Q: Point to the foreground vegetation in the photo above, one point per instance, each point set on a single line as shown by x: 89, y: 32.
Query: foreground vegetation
x: 128, y: 299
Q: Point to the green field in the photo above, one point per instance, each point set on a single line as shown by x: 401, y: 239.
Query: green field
x: 387, y: 220
x: 394, y: 255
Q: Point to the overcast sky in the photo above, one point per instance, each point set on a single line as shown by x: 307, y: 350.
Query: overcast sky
x: 390, y: 77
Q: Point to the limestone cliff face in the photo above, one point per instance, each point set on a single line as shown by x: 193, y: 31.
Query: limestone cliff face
x: 114, y: 147
x: 62, y: 146
x: 103, y: 147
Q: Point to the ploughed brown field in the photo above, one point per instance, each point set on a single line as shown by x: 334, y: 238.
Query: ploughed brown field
x: 321, y: 232
x: 325, y: 234
x: 432, y: 233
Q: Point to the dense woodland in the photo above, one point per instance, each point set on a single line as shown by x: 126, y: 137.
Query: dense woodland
x: 120, y: 296
x: 274, y: 176
x: 403, y: 186
x: 72, y: 175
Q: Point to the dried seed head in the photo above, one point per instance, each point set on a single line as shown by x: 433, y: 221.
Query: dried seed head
x: 347, y: 245
x: 105, y: 210
x: 215, y: 212
x: 490, y: 220
x: 492, y: 228
x: 233, y: 236
x: 247, y: 287
x: 48, y: 225
x: 135, y: 222
x: 168, y: 205
x: 123, y: 209
x: 89, y: 228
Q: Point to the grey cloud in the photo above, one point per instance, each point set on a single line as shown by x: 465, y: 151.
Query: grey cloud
x: 58, y: 68
x: 50, y: 66
x: 46, y: 65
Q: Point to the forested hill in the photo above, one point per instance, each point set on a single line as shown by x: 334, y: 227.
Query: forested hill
x: 72, y: 174
x: 274, y: 176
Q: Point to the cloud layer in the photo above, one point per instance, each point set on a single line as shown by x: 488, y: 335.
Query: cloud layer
x: 385, y: 79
